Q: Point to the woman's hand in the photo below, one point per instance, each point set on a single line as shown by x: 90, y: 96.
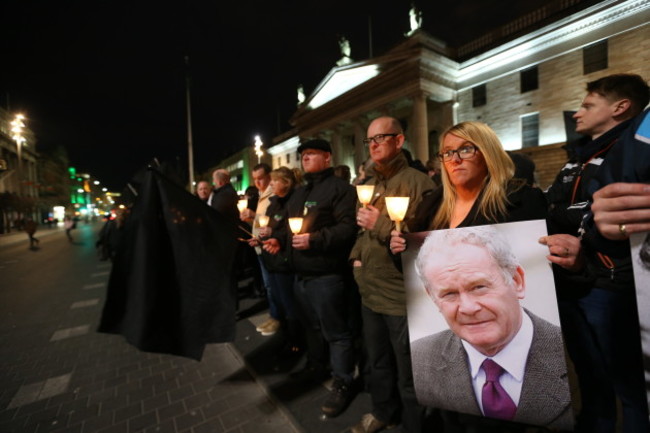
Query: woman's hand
x: 271, y: 246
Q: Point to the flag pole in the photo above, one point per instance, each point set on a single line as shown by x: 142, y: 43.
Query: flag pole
x: 190, y: 150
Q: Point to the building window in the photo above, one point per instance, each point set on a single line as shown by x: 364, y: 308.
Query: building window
x: 594, y: 57
x: 288, y: 158
x: 528, y: 79
x: 297, y: 156
x: 479, y: 96
x: 530, y: 130
x: 279, y: 161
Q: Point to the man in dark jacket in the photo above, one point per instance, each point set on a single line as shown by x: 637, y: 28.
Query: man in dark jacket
x: 224, y: 197
x: 319, y: 255
x: 598, y: 313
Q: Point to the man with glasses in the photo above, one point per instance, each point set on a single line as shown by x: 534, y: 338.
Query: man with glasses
x: 381, y: 284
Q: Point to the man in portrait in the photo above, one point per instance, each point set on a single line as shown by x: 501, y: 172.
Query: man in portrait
x: 497, y: 359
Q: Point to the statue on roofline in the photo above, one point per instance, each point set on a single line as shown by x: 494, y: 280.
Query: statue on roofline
x: 344, y: 45
x: 415, y: 18
x: 301, y: 94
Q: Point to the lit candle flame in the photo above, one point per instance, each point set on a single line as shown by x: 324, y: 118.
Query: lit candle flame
x: 295, y: 224
x: 242, y: 204
x: 364, y: 192
x: 263, y: 220
x: 397, y: 207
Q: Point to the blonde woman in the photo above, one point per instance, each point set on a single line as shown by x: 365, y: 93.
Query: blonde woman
x: 478, y: 186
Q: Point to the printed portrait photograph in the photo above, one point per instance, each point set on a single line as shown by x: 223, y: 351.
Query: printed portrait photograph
x: 640, y: 248
x: 484, y: 324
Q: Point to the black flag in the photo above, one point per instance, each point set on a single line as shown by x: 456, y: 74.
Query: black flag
x: 171, y: 289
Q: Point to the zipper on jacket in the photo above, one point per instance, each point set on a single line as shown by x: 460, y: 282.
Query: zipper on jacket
x: 609, y: 264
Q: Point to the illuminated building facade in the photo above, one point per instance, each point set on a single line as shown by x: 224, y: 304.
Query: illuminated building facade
x: 18, y: 170
x: 520, y: 79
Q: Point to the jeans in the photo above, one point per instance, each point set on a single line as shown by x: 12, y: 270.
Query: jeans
x: 613, y: 317
x: 273, y: 309
x: 281, y: 286
x: 324, y: 312
x: 391, y: 378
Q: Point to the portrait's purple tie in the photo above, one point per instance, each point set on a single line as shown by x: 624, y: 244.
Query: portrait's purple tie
x: 496, y: 401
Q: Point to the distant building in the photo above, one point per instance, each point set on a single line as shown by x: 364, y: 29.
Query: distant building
x: 520, y: 79
x: 18, y: 173
x: 240, y: 166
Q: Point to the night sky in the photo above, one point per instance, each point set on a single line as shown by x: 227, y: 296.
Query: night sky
x: 106, y: 79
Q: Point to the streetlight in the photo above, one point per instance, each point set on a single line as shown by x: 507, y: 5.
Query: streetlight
x: 17, y: 126
x: 258, y: 148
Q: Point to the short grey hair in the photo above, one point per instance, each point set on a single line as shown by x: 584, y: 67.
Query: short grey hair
x: 439, y: 241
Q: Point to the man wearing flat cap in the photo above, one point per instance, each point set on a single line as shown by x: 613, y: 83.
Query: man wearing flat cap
x: 319, y: 253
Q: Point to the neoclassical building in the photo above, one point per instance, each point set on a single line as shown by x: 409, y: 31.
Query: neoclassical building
x: 522, y: 79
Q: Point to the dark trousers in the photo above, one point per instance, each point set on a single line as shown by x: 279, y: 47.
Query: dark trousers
x: 614, y: 320
x: 324, y: 303
x: 391, y: 378
x: 598, y: 408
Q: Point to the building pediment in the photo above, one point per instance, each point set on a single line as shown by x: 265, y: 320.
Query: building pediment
x: 340, y: 80
x: 380, y: 80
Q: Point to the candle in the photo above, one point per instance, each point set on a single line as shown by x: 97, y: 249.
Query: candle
x: 263, y: 220
x: 295, y: 224
x: 364, y: 192
x: 242, y: 204
x: 397, y: 207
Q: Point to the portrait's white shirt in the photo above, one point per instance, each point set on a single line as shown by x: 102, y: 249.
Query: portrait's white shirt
x: 511, y: 358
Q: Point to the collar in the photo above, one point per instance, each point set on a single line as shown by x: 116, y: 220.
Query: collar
x: 586, y: 147
x: 281, y: 200
x: 511, y: 358
x: 319, y: 176
x: 268, y: 192
x: 393, y: 167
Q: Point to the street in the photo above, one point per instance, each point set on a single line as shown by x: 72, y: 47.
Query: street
x: 57, y: 374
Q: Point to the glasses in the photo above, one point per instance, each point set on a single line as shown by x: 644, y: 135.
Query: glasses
x: 465, y: 152
x: 379, y: 138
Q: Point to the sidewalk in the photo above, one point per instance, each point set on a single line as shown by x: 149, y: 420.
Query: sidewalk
x: 18, y: 236
x: 58, y: 375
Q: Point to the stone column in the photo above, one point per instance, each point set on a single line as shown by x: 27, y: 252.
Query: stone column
x: 360, y: 153
x: 338, y: 154
x: 419, y: 129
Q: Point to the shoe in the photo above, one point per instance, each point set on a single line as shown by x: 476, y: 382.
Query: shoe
x: 261, y: 327
x: 271, y: 328
x: 369, y: 424
x: 338, y: 399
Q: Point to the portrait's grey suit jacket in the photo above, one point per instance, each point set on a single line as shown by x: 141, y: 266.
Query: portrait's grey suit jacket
x: 442, y: 377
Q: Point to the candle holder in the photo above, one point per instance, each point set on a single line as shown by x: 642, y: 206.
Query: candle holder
x: 263, y: 220
x: 242, y: 204
x: 397, y: 207
x: 364, y: 192
x: 295, y: 224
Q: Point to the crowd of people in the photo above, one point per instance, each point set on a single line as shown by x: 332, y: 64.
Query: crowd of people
x: 335, y: 284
